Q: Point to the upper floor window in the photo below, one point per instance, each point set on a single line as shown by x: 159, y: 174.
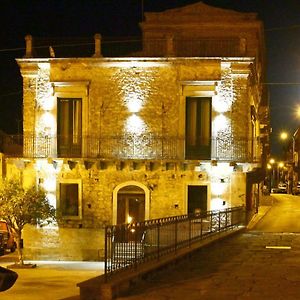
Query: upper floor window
x: 69, y: 126
x: 198, y: 128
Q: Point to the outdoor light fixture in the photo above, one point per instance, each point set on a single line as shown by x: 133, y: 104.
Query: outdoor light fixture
x: 283, y: 135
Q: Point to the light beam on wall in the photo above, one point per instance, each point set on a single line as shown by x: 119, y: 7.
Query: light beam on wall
x: 135, y: 125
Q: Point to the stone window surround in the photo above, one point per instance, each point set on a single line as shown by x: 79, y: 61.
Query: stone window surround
x: 193, y: 183
x: 190, y: 89
x: 71, y: 181
x: 74, y: 89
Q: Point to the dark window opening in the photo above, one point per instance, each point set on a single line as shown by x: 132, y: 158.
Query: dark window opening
x: 69, y: 199
x: 198, y: 128
x: 69, y: 127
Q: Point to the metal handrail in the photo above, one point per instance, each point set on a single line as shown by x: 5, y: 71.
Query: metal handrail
x: 130, y: 245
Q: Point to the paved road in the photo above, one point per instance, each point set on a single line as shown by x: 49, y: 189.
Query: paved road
x: 284, y: 215
x: 261, y: 264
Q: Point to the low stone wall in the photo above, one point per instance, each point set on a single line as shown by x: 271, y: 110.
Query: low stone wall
x: 63, y: 244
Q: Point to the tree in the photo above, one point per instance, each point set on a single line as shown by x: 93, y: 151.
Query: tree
x: 19, y: 206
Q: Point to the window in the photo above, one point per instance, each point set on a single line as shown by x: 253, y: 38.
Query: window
x: 198, y: 128
x: 69, y: 126
x: 70, y: 200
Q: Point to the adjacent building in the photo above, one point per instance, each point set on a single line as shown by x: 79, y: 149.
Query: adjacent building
x: 177, y: 125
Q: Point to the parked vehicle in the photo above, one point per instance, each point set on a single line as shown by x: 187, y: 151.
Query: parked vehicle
x: 7, y: 241
x: 281, y: 188
x: 296, y: 189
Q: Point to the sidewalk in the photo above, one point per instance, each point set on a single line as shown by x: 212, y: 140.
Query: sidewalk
x: 50, y: 280
x: 266, y: 205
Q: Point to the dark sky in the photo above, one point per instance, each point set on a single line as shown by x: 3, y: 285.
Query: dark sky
x: 83, y: 18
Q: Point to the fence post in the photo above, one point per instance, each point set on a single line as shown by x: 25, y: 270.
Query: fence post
x: 190, y: 232
x: 105, y: 254
x: 176, y: 228
x: 135, y: 246
x: 158, y: 240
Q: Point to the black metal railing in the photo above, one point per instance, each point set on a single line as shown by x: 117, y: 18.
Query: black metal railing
x: 130, y: 245
x: 149, y: 146
x: 137, y: 47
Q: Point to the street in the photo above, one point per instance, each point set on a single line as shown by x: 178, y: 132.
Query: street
x: 260, y: 264
x: 284, y: 215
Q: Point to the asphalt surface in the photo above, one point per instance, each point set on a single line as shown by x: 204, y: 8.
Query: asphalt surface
x: 262, y: 263
x: 284, y: 215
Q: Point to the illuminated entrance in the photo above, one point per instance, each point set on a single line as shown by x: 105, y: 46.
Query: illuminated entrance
x: 131, y: 205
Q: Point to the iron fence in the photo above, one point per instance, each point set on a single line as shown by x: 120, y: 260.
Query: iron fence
x: 134, y: 46
x: 130, y: 245
x: 146, y: 146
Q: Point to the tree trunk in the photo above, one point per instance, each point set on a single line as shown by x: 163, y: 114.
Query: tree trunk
x: 19, y: 247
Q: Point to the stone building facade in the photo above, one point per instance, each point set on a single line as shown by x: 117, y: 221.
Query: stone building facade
x: 168, y: 130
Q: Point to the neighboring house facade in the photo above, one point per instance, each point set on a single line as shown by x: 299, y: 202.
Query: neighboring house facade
x: 178, y: 127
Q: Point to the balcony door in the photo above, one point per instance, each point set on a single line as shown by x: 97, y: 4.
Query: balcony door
x: 198, y: 128
x: 69, y: 127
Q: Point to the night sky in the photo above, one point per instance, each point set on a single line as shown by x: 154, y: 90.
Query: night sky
x: 64, y: 18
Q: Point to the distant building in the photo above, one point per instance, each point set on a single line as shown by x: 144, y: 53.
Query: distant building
x: 179, y: 125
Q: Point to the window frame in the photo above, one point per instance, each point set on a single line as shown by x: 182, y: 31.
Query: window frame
x: 73, y: 90
x: 201, y: 147
x: 195, y: 89
x: 67, y: 143
x: 59, y: 200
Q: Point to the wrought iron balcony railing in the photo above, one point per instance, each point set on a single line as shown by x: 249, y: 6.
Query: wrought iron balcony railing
x: 144, y: 147
x: 136, y: 47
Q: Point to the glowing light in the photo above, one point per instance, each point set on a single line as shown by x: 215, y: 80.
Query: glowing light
x: 221, y: 106
x: 283, y: 135
x: 272, y: 161
x: 135, y: 125
x: 48, y: 102
x: 129, y: 219
x: 281, y: 165
x: 47, y: 123
x: 50, y: 184
x: 52, y: 199
x: 269, y: 166
x: 134, y: 104
x: 218, y: 204
x: 220, y: 122
x: 218, y: 188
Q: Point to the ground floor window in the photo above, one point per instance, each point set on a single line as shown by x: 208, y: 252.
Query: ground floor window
x: 70, y: 199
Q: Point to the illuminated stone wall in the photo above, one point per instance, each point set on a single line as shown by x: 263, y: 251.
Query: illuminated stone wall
x: 133, y: 97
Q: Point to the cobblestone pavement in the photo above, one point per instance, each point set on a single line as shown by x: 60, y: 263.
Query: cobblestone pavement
x: 240, y: 267
x: 258, y: 264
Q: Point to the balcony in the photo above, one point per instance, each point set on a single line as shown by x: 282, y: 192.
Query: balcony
x: 136, y: 47
x: 143, y: 147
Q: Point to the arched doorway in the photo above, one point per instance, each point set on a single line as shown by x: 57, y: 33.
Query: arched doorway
x: 130, y: 203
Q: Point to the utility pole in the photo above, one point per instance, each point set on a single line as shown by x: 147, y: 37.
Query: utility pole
x: 142, y: 9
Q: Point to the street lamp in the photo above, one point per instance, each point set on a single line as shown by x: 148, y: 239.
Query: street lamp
x: 283, y: 135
